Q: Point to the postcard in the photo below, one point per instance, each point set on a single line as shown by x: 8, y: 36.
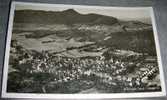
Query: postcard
x: 81, y: 51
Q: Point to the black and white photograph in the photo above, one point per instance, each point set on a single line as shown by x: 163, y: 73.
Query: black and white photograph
x: 58, y: 50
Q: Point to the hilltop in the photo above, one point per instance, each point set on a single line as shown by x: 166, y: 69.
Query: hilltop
x: 68, y: 16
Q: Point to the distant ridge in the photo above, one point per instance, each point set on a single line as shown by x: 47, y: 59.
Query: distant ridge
x: 69, y: 16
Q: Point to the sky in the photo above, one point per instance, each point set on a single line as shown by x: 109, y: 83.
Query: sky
x: 122, y: 13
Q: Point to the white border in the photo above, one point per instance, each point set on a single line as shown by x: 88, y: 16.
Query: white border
x: 79, y: 96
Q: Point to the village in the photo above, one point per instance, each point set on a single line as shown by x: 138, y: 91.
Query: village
x: 43, y: 72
